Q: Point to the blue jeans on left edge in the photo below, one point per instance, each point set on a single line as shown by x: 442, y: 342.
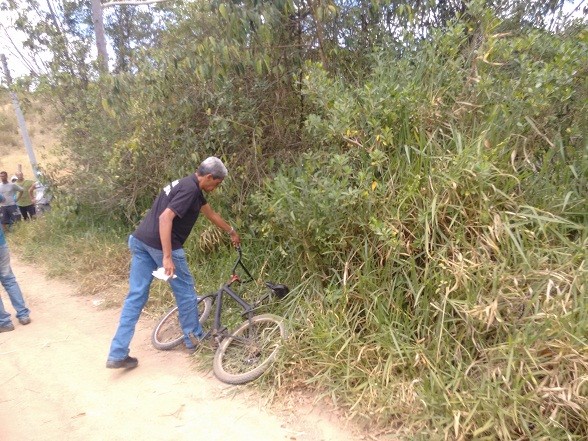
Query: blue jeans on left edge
x: 145, y: 260
x: 11, y: 286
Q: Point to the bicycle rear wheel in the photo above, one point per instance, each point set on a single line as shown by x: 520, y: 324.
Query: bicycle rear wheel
x: 168, y: 334
x: 247, y: 353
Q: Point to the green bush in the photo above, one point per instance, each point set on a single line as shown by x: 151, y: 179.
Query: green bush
x: 441, y: 259
x: 433, y: 231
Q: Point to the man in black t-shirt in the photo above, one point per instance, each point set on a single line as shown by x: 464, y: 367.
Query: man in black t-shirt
x: 157, y: 242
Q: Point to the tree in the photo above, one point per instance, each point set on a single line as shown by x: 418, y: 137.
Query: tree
x: 131, y: 30
x: 57, y: 37
x: 98, y: 21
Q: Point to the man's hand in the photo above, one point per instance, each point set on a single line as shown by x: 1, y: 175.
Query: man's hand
x: 168, y: 265
x: 235, y: 238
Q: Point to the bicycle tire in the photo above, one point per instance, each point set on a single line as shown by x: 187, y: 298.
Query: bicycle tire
x: 247, y: 353
x: 168, y: 334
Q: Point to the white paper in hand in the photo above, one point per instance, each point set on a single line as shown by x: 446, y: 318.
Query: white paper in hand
x: 160, y: 274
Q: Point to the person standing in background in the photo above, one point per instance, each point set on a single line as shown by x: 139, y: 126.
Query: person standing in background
x: 25, y: 203
x: 41, y: 195
x: 11, y: 193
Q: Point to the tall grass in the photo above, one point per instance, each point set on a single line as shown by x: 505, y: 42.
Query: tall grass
x: 435, y: 235
x: 441, y: 302
x: 93, y: 257
x: 442, y: 259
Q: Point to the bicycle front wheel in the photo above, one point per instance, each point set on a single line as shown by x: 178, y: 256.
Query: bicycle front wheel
x: 248, y: 352
x: 168, y: 334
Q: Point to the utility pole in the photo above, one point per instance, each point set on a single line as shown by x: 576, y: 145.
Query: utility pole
x: 19, y: 116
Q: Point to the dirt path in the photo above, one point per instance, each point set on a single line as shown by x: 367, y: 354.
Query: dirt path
x: 54, y: 385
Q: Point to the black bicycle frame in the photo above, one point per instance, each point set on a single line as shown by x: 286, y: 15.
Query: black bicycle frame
x: 226, y: 288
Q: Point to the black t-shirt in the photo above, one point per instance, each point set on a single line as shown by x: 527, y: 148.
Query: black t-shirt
x: 185, y: 199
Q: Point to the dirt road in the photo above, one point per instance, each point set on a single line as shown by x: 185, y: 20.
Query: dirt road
x: 54, y: 385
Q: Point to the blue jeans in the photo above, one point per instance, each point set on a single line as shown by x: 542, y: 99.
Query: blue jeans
x: 11, y: 286
x: 145, y: 260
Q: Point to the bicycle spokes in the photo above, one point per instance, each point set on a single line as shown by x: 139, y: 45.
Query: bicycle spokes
x: 258, y: 343
x: 171, y: 329
x: 246, y: 354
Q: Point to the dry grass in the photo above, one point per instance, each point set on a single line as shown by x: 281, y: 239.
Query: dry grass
x: 43, y: 131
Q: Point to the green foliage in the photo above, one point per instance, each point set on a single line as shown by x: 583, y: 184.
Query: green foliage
x: 130, y: 27
x: 427, y: 286
x: 436, y: 264
x: 56, y: 33
x: 429, y: 208
x: 139, y: 132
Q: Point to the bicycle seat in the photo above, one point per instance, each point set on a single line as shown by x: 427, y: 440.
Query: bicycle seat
x: 279, y: 290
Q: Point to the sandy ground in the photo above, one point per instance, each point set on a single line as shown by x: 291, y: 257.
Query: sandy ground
x: 54, y: 384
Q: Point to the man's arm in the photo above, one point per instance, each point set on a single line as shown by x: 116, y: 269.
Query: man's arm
x: 216, y: 219
x: 32, y: 192
x: 165, y: 228
x: 19, y: 191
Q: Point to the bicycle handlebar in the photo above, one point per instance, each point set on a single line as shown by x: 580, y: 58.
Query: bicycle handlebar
x: 239, y: 262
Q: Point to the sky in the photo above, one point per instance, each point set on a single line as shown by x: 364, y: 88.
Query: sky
x: 16, y: 67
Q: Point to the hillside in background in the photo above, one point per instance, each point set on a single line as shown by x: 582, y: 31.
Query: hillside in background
x: 42, y: 125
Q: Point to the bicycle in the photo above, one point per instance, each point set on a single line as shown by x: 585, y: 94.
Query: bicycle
x: 244, y: 354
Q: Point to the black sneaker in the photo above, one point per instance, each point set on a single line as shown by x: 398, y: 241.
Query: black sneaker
x: 127, y: 363
x: 7, y: 328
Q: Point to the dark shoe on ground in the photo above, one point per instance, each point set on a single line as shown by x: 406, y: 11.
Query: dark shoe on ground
x: 24, y: 320
x: 127, y: 363
x: 7, y: 328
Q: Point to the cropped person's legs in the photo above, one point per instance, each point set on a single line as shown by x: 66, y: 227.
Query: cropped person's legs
x: 27, y: 212
x: 5, y: 322
x: 6, y: 218
x: 11, y: 285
